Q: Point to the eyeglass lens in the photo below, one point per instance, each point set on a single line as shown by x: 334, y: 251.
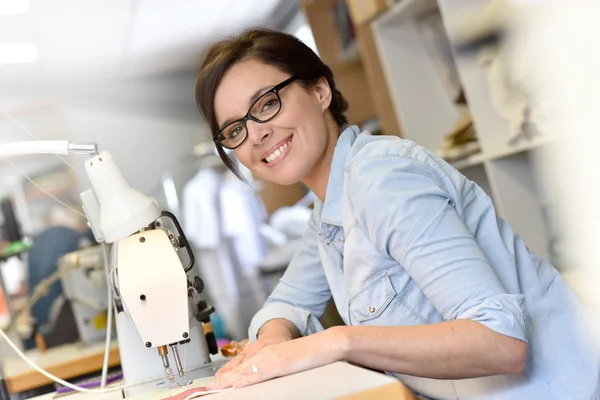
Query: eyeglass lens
x: 265, y: 108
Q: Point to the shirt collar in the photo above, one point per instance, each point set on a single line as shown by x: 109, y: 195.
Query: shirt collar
x: 332, y: 207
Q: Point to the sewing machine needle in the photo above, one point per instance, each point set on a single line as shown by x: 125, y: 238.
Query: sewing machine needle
x: 177, y: 360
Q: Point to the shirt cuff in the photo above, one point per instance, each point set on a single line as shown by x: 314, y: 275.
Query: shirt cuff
x: 304, y: 320
x: 502, y: 313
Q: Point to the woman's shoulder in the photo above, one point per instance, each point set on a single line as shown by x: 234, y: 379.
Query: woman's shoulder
x: 367, y: 145
x: 391, y: 152
x: 379, y: 167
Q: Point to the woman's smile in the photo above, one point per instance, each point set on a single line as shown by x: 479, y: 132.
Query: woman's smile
x: 278, y: 153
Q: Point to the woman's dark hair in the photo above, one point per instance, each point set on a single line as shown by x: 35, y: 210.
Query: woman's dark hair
x: 277, y: 49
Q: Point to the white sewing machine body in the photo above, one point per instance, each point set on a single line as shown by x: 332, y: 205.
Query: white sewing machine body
x: 157, y: 305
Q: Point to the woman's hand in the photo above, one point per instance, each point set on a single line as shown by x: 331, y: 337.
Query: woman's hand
x: 273, y: 332
x: 248, y: 351
x: 263, y: 362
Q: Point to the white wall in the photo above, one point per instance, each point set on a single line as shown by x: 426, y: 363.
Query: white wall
x: 150, y: 126
x: 144, y: 146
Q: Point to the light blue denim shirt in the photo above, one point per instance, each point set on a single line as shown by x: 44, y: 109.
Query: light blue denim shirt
x: 405, y: 239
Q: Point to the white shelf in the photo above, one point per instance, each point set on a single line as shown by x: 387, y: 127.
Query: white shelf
x: 480, y: 158
x: 519, y: 199
x: 426, y: 114
x: 422, y: 105
x: 524, y: 147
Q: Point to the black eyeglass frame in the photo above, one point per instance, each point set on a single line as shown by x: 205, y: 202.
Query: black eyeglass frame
x: 275, y: 89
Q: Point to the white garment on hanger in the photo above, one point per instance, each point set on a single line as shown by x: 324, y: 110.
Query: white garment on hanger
x: 200, y: 219
x: 222, y: 218
x: 242, y: 216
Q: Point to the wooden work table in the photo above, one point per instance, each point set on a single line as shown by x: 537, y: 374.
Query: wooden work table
x: 66, y: 362
x: 339, y: 381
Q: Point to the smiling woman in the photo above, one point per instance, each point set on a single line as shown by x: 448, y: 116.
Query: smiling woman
x: 433, y: 286
x: 258, y: 78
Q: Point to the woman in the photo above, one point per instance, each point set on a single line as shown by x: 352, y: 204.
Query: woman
x: 433, y: 286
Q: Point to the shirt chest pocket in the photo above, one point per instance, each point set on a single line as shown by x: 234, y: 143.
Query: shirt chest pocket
x: 373, y: 299
x: 377, y: 303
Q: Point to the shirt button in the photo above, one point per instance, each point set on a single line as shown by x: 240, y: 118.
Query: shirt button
x: 320, y: 233
x: 342, y: 240
x: 371, y: 309
x: 329, y: 243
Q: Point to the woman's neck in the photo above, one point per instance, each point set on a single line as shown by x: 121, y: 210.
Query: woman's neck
x: 318, y: 177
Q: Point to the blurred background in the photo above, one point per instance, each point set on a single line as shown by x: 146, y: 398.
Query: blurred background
x: 476, y: 81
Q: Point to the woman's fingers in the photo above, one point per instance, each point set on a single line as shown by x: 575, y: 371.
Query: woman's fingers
x: 256, y: 374
x: 231, y: 364
x: 267, y: 364
x: 276, y: 360
x: 249, y: 351
x: 230, y: 377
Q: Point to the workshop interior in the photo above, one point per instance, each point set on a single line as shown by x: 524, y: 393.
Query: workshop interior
x: 132, y: 259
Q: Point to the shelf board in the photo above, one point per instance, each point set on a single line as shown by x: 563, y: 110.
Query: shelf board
x: 480, y: 158
x: 406, y: 9
x: 537, y: 143
x: 469, y: 161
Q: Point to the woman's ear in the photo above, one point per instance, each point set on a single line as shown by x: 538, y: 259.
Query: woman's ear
x: 323, y: 93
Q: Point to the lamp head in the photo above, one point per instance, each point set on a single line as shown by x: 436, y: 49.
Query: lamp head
x: 123, y: 210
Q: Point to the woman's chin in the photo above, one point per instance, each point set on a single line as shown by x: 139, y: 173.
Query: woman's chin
x: 283, y: 178
x: 284, y: 181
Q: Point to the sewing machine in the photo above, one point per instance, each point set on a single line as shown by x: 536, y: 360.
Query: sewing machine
x: 162, y: 322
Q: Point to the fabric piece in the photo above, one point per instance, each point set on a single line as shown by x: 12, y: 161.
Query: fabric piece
x: 192, y: 393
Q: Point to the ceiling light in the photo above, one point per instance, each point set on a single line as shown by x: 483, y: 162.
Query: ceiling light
x: 13, y: 7
x: 16, y: 53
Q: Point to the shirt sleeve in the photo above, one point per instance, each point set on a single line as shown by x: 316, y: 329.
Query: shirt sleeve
x: 420, y: 228
x: 302, y: 294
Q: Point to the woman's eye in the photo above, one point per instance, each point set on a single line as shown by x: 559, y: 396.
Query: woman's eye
x: 235, y: 132
x: 269, y: 104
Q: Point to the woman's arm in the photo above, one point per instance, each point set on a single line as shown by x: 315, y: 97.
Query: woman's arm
x: 292, y: 310
x: 448, y: 350
x: 300, y: 297
x: 278, y: 327
x: 420, y: 228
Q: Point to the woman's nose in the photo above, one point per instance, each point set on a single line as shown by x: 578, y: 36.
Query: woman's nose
x: 258, y: 133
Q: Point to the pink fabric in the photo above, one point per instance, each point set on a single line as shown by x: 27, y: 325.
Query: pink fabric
x: 192, y: 393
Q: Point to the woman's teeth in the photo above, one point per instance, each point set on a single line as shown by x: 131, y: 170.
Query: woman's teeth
x: 277, y: 153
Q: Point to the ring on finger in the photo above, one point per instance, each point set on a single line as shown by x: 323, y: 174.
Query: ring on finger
x: 241, y: 354
x: 255, y: 369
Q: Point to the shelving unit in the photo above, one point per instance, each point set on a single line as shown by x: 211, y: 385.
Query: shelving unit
x: 339, y: 50
x: 426, y: 113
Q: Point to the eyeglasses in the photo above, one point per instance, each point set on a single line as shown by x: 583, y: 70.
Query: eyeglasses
x: 263, y: 109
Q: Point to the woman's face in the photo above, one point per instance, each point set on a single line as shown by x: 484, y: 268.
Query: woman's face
x: 284, y: 149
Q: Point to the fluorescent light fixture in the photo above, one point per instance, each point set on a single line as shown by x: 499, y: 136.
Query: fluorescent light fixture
x: 14, y: 7
x: 17, y: 53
